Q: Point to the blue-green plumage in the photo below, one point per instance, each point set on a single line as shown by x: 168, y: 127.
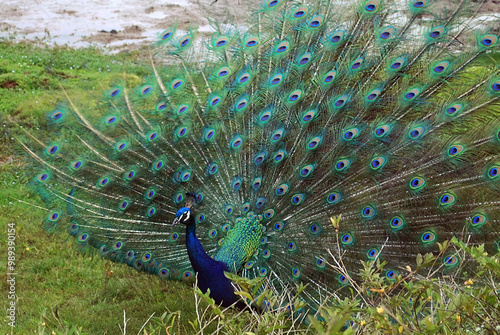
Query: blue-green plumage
x: 237, y: 249
x: 263, y: 137
x: 241, y: 242
x: 210, y: 272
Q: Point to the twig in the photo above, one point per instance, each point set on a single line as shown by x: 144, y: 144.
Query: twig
x: 144, y: 325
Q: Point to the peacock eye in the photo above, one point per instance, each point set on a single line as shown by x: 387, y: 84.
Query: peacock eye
x: 185, y: 216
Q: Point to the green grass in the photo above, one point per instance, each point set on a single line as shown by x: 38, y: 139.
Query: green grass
x: 56, y: 285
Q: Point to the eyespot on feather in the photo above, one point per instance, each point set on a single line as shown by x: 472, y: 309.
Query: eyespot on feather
x: 357, y: 64
x: 257, y: 182
x: 329, y: 77
x: 412, y: 94
x: 121, y: 146
x: 300, y: 12
x: 372, y: 253
x: 488, y: 40
x: 342, y: 165
x: 282, y: 189
x: 333, y: 198
x: 391, y: 275
x: 304, y: 59
x: 320, y: 262
x: 428, y: 237
x: 397, y: 223
x: 416, y: 133
x: 276, y: 79
x: 277, y: 135
x: 306, y: 170
x: 368, y: 212
x: 294, y: 96
x: 417, y: 183
x: 185, y: 41
x: 308, y: 116
x: 167, y: 34
x: 455, y: 150
x: 236, y: 142
x: 164, y: 273
x: 241, y: 104
x: 451, y: 261
x: 373, y: 95
x: 495, y: 87
x: 279, y: 156
x: 437, y: 32
x: 377, y: 163
x: 494, y: 172
x: 314, y: 143
x: 176, y: 84
x: 371, y: 6
x: 273, y: 3
x: 76, y: 165
x: 342, y: 280
x: 251, y: 42
x: 224, y: 72
x: 244, y: 78
x: 316, y: 21
x: 150, y: 194
x: 337, y: 37
x: 341, y: 101
x: 418, y: 4
x: 282, y: 48
x: 382, y: 131
x: 315, y: 229
x: 397, y: 64
x: 447, y: 199
x: 181, y: 132
x: 209, y: 134
x: 212, y: 168
x: 236, y: 183
x: 453, y: 109
x: 260, y: 202
x: 350, y: 134
x: 260, y: 158
x: 387, y: 33
x: 478, y: 220
x: 158, y: 165
x: 214, y: 101
x: 347, y: 239
x: 220, y: 42
x: 440, y: 68
x: 269, y: 214
x: 297, y: 199
x: 246, y: 207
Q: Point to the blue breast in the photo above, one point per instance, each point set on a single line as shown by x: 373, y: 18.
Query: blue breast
x: 210, y: 272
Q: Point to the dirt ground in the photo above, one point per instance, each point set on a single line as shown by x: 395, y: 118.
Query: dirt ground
x: 124, y: 25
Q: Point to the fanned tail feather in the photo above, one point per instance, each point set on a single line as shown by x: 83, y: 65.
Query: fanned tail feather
x: 386, y: 114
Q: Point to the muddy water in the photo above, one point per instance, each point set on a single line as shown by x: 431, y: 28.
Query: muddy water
x: 116, y: 24
x: 123, y: 25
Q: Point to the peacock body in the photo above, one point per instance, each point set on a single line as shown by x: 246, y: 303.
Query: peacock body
x: 254, y: 141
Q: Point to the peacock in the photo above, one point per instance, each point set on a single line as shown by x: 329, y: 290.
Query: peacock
x: 369, y: 130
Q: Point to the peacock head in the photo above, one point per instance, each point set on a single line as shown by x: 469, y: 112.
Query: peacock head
x: 183, y: 216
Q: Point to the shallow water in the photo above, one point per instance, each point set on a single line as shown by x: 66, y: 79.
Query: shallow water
x: 124, y: 25
x: 113, y: 23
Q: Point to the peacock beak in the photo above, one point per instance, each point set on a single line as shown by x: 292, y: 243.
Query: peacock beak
x: 176, y: 221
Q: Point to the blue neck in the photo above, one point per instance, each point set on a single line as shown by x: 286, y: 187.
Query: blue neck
x: 200, y: 261
x: 210, y: 272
